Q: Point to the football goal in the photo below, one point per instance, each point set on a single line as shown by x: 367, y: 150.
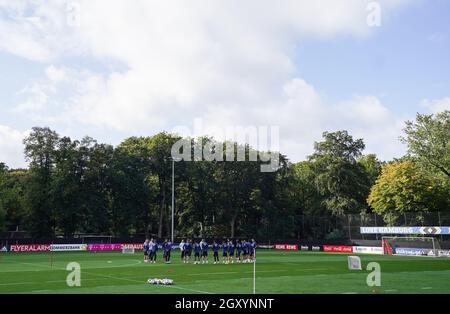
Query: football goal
x: 411, y: 246
x: 127, y: 249
x: 96, y: 239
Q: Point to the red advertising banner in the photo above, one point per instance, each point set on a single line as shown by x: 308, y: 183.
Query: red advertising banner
x: 286, y: 247
x: 30, y: 248
x: 338, y: 248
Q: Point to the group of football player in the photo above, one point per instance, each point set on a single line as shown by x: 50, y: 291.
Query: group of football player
x: 239, y: 251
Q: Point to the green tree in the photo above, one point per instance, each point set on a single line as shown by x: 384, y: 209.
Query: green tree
x: 337, y: 175
x: 403, y: 188
x: 67, y: 193
x: 305, y: 200
x: 372, y: 167
x: 12, y: 197
x: 131, y: 185
x: 40, y: 151
x: 160, y: 149
x: 428, y: 139
x: 198, y: 194
x: 3, y: 171
x: 96, y: 188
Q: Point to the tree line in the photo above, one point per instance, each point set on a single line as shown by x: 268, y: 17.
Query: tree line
x: 82, y: 186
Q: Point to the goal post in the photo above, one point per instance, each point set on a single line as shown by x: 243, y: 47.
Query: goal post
x: 410, y: 246
x: 127, y: 249
x: 96, y: 239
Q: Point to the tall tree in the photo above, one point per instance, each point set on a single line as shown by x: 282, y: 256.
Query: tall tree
x: 96, y: 186
x: 131, y: 181
x: 372, y: 167
x: 3, y: 171
x: 338, y: 176
x: 40, y: 149
x: 305, y: 199
x: 428, y: 139
x: 67, y: 194
x: 200, y: 194
x: 160, y: 147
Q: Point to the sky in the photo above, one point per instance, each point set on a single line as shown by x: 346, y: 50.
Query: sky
x: 112, y: 69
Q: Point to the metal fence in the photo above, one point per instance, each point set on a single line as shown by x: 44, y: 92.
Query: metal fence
x: 352, y: 223
x: 347, y: 227
x: 308, y: 228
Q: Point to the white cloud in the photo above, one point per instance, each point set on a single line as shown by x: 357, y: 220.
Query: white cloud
x: 55, y: 74
x: 303, y: 114
x: 437, y: 105
x: 36, y: 30
x: 226, y: 61
x: 366, y: 117
x: 11, y: 151
x: 36, y: 99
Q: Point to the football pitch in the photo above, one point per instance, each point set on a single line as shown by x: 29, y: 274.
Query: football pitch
x: 276, y: 272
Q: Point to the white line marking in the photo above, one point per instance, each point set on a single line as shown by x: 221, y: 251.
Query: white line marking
x: 16, y: 283
x: 187, y: 289
x: 426, y: 288
x: 223, y: 273
x: 308, y: 269
x: 41, y: 291
x: 41, y: 265
x: 237, y: 272
x: 136, y: 262
x: 139, y: 281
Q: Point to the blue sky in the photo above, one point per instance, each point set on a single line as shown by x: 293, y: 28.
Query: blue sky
x: 404, y: 61
x: 126, y: 69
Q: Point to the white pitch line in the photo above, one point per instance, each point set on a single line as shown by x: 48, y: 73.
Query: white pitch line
x: 16, y: 283
x: 58, y: 281
x: 112, y: 277
x: 267, y: 271
x: 139, y: 281
x: 426, y: 288
x: 136, y: 262
x: 35, y: 282
x: 237, y: 272
x: 41, y: 290
x: 391, y: 290
x: 222, y: 273
x: 308, y: 269
x: 43, y: 265
x: 187, y: 289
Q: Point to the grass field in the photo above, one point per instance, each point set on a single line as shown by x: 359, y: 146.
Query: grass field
x: 277, y: 272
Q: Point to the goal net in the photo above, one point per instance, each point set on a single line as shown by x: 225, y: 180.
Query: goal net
x: 127, y: 249
x: 96, y: 239
x: 411, y: 246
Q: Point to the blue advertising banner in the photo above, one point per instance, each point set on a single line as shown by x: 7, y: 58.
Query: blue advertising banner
x: 411, y: 251
x: 405, y: 230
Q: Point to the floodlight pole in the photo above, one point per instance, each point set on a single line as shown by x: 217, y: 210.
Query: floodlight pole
x: 173, y: 194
